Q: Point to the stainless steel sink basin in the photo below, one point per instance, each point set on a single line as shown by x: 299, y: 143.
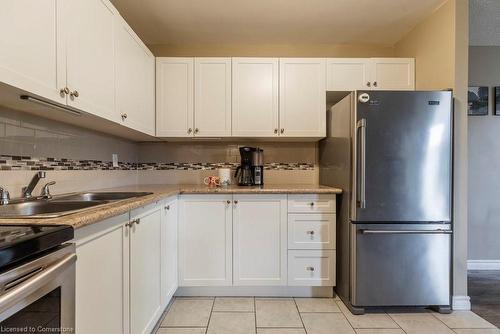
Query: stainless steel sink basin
x: 102, y: 196
x: 44, y: 208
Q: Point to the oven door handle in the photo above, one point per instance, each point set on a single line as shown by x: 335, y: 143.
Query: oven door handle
x: 33, y: 283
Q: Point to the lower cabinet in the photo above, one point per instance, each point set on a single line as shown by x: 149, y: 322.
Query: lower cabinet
x: 311, y: 267
x: 126, y: 270
x: 205, y: 240
x: 145, y: 268
x: 259, y: 240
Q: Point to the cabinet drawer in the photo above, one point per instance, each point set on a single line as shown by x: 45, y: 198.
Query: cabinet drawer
x: 311, y: 267
x: 311, y: 203
x: 311, y: 231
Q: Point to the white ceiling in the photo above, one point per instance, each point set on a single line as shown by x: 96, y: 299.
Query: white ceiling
x: 484, y: 22
x: 274, y: 21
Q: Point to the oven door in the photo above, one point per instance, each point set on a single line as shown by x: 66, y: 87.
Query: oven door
x: 39, y: 296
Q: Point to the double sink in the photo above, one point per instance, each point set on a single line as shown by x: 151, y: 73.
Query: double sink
x: 63, y: 204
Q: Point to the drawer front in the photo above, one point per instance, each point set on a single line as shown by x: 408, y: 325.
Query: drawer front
x: 313, y: 203
x: 311, y: 267
x: 311, y: 231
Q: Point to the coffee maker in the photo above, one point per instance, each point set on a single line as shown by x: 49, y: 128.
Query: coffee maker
x: 250, y: 172
x: 243, y: 173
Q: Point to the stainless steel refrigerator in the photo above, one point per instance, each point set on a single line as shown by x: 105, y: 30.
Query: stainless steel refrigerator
x: 391, y: 153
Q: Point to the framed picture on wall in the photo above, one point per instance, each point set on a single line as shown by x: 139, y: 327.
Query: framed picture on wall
x: 496, y: 110
x: 478, y: 101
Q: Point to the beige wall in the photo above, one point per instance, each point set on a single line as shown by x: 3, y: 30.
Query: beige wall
x: 432, y: 44
x: 271, y: 50
x: 440, y: 46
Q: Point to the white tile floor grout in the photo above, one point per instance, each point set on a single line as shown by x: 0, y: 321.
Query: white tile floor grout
x: 319, y: 316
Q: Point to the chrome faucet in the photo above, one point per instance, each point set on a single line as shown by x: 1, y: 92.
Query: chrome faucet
x: 26, y: 191
x: 4, y: 196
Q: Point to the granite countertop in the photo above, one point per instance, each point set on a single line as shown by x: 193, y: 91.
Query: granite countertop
x: 159, y: 192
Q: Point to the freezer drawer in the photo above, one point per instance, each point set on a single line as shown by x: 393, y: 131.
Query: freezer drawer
x: 402, y: 265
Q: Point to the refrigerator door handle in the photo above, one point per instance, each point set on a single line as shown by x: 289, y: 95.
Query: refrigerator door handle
x: 361, y: 125
x: 438, y: 231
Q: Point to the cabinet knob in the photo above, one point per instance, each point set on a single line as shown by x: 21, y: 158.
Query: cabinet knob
x: 310, y: 268
x: 124, y: 116
x: 275, y: 131
x: 282, y: 131
x: 138, y: 221
x: 228, y: 202
x: 311, y: 204
x: 375, y: 83
x: 369, y: 84
x: 64, y: 90
x: 310, y: 232
x: 167, y: 207
x: 74, y: 93
x: 190, y: 130
x: 196, y: 130
x: 235, y: 202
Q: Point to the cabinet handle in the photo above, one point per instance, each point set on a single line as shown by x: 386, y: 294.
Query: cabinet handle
x: 196, y: 130
x: 275, y: 131
x: 375, y: 83
x: 124, y: 116
x: 310, y: 268
x: 64, y: 90
x: 74, y: 93
x: 310, y: 232
x: 369, y: 84
x: 138, y: 221
x: 282, y: 131
x: 167, y: 207
x: 190, y: 130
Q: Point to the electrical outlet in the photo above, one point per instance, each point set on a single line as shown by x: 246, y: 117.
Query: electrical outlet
x: 115, y: 159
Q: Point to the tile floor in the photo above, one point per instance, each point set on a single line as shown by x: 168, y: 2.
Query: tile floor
x: 484, y: 291
x: 242, y: 315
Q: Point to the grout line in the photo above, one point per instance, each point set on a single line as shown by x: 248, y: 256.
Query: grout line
x: 396, y: 322
x: 255, y: 314
x: 210, y: 317
x: 300, y: 315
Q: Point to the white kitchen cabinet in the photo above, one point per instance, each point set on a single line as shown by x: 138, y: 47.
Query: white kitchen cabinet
x: 32, y: 53
x: 205, y: 240
x: 102, y: 277
x: 169, y: 250
x: 346, y: 74
x: 145, y: 268
x: 88, y: 26
x: 302, y: 107
x: 393, y: 73
x: 255, y: 97
x: 259, y: 240
x: 212, y: 97
x: 135, y: 80
x: 174, y: 97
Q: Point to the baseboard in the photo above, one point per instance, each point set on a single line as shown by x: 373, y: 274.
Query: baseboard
x: 461, y: 303
x: 483, y: 264
x: 258, y: 291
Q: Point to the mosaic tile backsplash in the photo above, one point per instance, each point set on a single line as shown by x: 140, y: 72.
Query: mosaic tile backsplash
x: 9, y: 162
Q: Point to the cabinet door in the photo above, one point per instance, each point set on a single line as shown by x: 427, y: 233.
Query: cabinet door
x: 135, y: 80
x: 255, y: 97
x: 145, y: 269
x: 32, y: 55
x: 393, y: 73
x: 89, y: 28
x: 260, y: 246
x: 102, y: 277
x: 174, y: 97
x: 212, y: 102
x: 302, y: 97
x: 169, y: 251
x: 346, y: 74
x: 205, y: 240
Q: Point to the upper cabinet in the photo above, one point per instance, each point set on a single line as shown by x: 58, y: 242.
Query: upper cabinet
x: 212, y: 97
x: 302, y: 97
x: 345, y: 74
x: 174, y: 97
x: 88, y: 26
x: 255, y: 97
x: 135, y: 80
x: 31, y: 51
